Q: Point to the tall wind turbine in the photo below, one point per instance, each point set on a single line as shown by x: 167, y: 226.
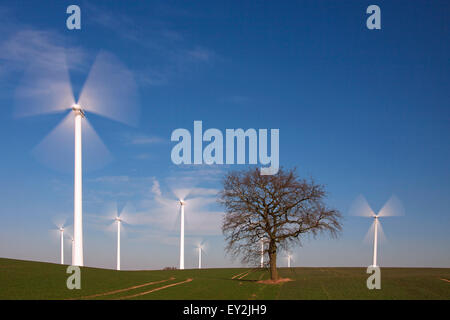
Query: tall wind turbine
x: 72, y: 246
x: 201, y: 246
x: 61, y: 231
x: 393, y: 207
x: 182, y: 203
x: 289, y: 257
x: 262, y: 253
x: 199, y: 257
x: 118, y: 220
x: 119, y: 217
x: 109, y: 91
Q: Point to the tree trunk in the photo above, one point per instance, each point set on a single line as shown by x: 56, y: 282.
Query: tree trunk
x: 273, y: 261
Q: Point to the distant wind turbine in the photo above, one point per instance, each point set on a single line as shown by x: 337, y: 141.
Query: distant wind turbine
x: 182, y: 203
x: 118, y: 220
x: 61, y: 230
x: 120, y: 217
x: 360, y: 207
x: 109, y: 91
x: 59, y: 223
x: 262, y: 241
x: 201, y: 248
x: 289, y: 258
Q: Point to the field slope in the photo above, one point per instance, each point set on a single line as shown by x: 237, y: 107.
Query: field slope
x: 36, y: 280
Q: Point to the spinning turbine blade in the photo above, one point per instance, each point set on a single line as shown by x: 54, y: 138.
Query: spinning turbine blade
x: 381, y: 235
x: 59, y: 221
x: 56, y: 150
x: 392, y: 208
x: 128, y: 214
x: 95, y: 152
x: 110, y: 90
x: 368, y: 238
x: 360, y: 207
x: 181, y: 194
x: 43, y: 91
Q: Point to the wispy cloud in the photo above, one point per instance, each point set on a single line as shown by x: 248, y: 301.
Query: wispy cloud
x: 156, y: 203
x: 42, y: 49
x: 171, y: 51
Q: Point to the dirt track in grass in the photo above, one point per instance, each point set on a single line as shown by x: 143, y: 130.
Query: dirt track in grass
x: 124, y: 290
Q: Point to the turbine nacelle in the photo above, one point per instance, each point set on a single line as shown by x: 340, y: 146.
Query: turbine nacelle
x: 182, y: 202
x: 78, y: 110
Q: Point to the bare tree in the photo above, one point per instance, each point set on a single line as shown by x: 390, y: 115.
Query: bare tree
x: 277, y: 209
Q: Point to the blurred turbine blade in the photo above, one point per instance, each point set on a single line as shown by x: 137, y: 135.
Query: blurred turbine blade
x: 60, y: 221
x: 112, y: 227
x: 95, y: 153
x: 181, y: 193
x: 110, y: 212
x: 54, y: 234
x: 44, y: 91
x: 392, y: 208
x: 56, y: 150
x: 128, y: 214
x: 68, y: 232
x: 360, y: 207
x: 368, y: 238
x: 110, y: 90
x: 381, y: 235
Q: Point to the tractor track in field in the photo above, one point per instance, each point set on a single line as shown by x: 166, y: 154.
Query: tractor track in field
x: 241, y: 275
x: 153, y: 290
x: 237, y: 275
x: 122, y: 290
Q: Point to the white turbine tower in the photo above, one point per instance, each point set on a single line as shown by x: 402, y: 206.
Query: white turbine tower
x: 289, y: 260
x: 201, y: 247
x: 118, y: 220
x: 182, y: 203
x: 360, y: 207
x: 119, y: 217
x: 262, y: 253
x: 61, y: 231
x: 109, y: 91
x: 72, y: 246
x: 199, y: 257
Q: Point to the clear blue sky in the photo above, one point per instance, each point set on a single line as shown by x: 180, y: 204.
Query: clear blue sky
x: 363, y: 112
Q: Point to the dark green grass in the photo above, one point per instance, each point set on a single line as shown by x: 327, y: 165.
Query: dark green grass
x: 37, y: 280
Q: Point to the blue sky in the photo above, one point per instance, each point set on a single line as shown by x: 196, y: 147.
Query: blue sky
x: 361, y: 111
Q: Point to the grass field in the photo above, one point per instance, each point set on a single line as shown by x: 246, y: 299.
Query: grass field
x: 36, y: 280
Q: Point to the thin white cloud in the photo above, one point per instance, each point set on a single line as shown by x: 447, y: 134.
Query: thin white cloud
x: 43, y: 49
x: 172, y: 53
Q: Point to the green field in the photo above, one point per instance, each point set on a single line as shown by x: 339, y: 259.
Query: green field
x: 36, y: 280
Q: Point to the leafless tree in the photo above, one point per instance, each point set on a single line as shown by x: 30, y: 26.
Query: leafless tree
x: 280, y: 209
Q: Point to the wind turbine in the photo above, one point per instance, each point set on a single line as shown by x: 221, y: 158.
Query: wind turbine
x: 119, y: 217
x: 72, y: 246
x: 118, y: 220
x: 59, y: 222
x: 61, y: 231
x: 289, y: 257
x: 182, y: 203
x: 108, y: 89
x: 262, y: 252
x: 392, y: 207
x: 200, y: 248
